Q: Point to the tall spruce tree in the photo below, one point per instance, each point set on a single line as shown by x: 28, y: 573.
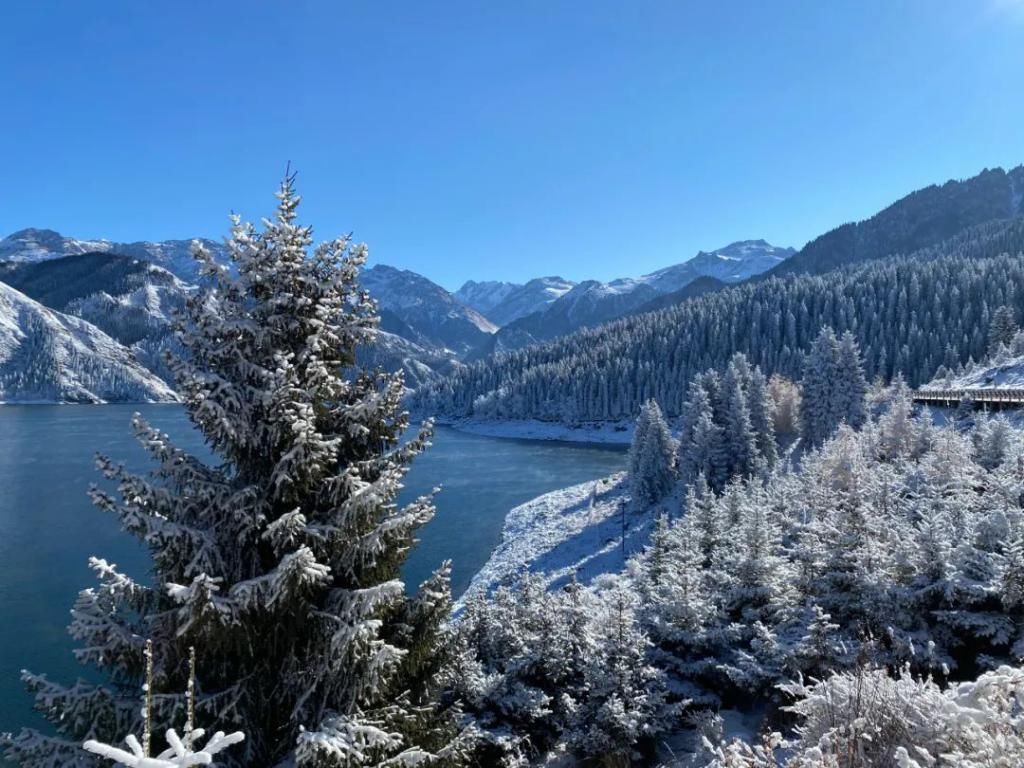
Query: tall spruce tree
x: 819, y: 383
x: 1002, y: 329
x: 852, y: 407
x: 652, y: 470
x: 279, y: 560
x: 761, y: 418
x: 740, y: 440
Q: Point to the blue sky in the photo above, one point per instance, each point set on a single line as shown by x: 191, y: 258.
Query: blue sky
x: 501, y: 139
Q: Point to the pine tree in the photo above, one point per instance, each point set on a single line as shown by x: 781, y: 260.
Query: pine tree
x: 1002, y: 329
x: 623, y: 701
x: 852, y: 382
x: 740, y: 440
x: 280, y: 559
x: 818, y: 650
x: 992, y: 442
x: 761, y: 418
x: 651, y: 457
x: 819, y: 384
x: 701, y: 444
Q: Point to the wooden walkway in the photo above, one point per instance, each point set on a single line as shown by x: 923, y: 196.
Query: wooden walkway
x: 983, y: 398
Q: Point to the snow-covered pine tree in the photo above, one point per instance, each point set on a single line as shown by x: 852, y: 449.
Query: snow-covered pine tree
x: 992, y: 442
x: 761, y: 419
x: 623, y: 702
x: 852, y: 382
x: 818, y: 386
x: 701, y: 448
x: 740, y: 440
x: 652, y: 471
x: 280, y: 559
x: 1002, y: 329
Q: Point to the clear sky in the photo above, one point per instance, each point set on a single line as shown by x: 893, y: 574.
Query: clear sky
x: 501, y: 140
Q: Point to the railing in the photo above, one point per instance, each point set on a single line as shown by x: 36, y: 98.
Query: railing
x: 954, y: 396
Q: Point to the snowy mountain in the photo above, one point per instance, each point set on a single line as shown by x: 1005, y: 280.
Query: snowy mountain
x: 52, y: 357
x: 485, y: 295
x: 34, y: 245
x: 126, y: 297
x: 425, y: 310
x: 732, y: 264
x: 503, y: 303
x: 593, y: 302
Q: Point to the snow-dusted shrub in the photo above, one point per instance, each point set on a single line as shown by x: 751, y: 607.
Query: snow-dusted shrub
x: 870, y: 718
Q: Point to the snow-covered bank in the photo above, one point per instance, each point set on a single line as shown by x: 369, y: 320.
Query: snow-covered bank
x: 574, y: 530
x: 603, y: 432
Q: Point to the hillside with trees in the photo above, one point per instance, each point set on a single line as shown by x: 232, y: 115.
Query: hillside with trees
x: 910, y: 314
x: 922, y: 219
x: 862, y: 600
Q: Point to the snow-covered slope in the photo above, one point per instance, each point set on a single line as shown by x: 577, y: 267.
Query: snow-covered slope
x: 576, y: 530
x: 32, y: 245
x: 432, y: 314
x: 126, y: 297
x: 1004, y: 372
x: 51, y: 357
x: 396, y: 353
x: 593, y: 302
x: 732, y: 264
x: 503, y: 303
x: 485, y: 295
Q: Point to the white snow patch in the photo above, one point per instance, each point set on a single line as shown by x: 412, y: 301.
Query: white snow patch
x: 587, y: 530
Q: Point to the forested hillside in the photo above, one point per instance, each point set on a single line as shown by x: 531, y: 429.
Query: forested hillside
x: 919, y: 220
x: 908, y: 313
x: 895, y: 546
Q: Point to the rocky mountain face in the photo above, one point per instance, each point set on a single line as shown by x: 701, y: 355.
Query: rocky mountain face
x: 424, y: 312
x: 485, y: 295
x: 504, y: 303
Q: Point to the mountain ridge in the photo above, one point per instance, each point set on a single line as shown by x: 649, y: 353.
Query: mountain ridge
x: 35, y: 244
x: 592, y: 302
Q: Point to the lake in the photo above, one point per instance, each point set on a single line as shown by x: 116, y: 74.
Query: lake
x: 49, y: 528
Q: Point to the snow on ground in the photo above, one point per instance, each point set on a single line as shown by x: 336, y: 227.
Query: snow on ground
x: 574, y: 530
x: 603, y: 432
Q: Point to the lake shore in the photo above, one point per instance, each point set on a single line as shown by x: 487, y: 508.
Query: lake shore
x: 598, y: 433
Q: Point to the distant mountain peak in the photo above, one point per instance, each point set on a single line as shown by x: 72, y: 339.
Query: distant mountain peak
x: 426, y: 309
x: 504, y: 302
